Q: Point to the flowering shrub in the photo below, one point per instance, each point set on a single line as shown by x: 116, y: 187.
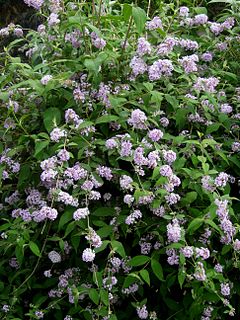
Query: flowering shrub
x: 120, y: 164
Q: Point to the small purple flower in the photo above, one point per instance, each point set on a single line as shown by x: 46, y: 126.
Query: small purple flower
x: 225, y: 289
x: 218, y: 268
x: 155, y: 23
x: 183, y: 12
x: 54, y: 257
x: 53, y: 20
x: 138, y: 66
x: 236, y: 146
x: 111, y: 144
x: 138, y: 119
x: 155, y: 135
x: 6, y: 308
x: 63, y: 155
x: 172, y: 198
x: 39, y: 314
x: 57, y: 133
x: 18, y: 32
x: 128, y: 199
x: 161, y: 67
x: 144, y: 47
x: 166, y: 171
x: 200, y: 19
x: 173, y: 231
x: 36, y: 4
x: 126, y: 149
x: 221, y: 180
x: 187, y: 251
x: 200, y: 273
x: 226, y: 108
x: 207, y: 56
x: 88, y: 255
x: 142, y: 312
x: 104, y: 172
x: 203, y: 253
x: 206, y: 84
x: 135, y: 215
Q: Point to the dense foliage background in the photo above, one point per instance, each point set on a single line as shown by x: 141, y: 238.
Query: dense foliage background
x: 120, y: 161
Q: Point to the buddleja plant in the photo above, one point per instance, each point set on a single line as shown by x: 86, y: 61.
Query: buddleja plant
x: 120, y: 165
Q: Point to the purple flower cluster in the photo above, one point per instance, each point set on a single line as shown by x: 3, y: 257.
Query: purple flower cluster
x: 206, y: 84
x: 155, y: 23
x: 36, y: 4
x: 160, y: 68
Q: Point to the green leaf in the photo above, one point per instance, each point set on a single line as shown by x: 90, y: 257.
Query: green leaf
x: 194, y: 225
x: 189, y: 198
x: 139, y: 16
x: 172, y: 100
x: 119, y: 248
x: 213, y: 224
x: 213, y: 127
x: 104, y: 297
x: 157, y: 269
x: 51, y: 118
x: 106, y: 118
x: 75, y: 241
x: 104, y: 212
x: 138, y: 261
x: 94, y: 296
x: 24, y: 174
x: 19, y: 252
x: 65, y: 218
x: 40, y: 145
x: 181, y: 276
x: 145, y: 275
x: 34, y: 248
x: 127, y: 11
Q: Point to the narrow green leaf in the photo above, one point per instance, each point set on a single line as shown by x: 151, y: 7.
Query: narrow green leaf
x: 157, y: 269
x: 34, y: 248
x: 145, y: 276
x: 94, y: 296
x: 138, y: 261
x: 139, y: 16
x: 119, y: 248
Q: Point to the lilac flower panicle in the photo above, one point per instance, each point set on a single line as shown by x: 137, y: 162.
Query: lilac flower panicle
x: 187, y: 251
x: 143, y: 47
x: 142, y: 312
x: 81, y: 213
x: 225, y: 289
x: 36, y: 4
x: 46, y: 79
x: 88, y: 255
x: 166, y: 171
x: 174, y: 231
x: 54, y: 257
x: 126, y: 149
x: 236, y: 245
x: 53, y: 20
x: 221, y: 180
x: 111, y: 144
x: 155, y: 135
x: 183, y: 12
x: 155, y: 23
x: 105, y: 172
x: 138, y: 119
x: 200, y: 273
x: 57, y: 133
x: 200, y: 19
x: 160, y: 68
x: 206, y: 84
x: 133, y: 217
